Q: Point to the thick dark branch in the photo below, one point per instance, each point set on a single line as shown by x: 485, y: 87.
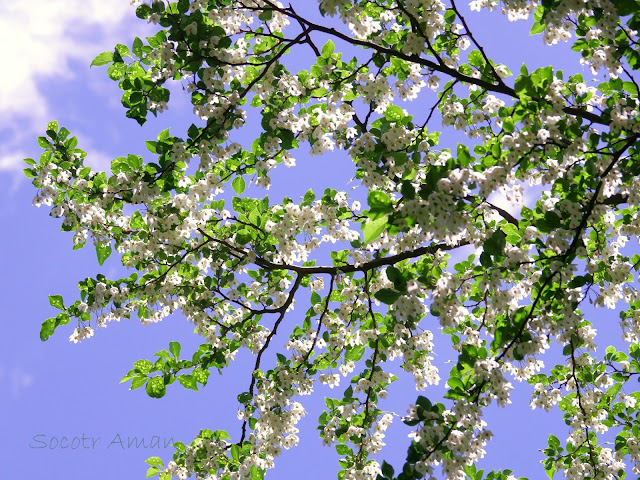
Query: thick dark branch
x: 615, y: 200
x: 501, y: 211
x: 365, y: 267
x: 504, y: 214
x: 378, y: 262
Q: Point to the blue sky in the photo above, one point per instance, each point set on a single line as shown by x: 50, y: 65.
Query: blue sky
x: 57, y: 389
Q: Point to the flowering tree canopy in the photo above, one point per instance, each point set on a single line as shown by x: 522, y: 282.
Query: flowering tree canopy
x: 234, y: 269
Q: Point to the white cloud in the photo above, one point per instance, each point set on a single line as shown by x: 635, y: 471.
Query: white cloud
x: 39, y: 40
x: 11, y: 160
x: 16, y: 380
x: 19, y: 380
x: 97, y: 160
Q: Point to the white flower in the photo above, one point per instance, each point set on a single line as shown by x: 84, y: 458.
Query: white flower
x: 191, y: 29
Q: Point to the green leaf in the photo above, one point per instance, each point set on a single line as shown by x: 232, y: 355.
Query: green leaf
x: 379, y: 201
x: 201, y: 375
x: 238, y: 185
x: 174, y: 348
x: 56, y: 301
x: 43, y: 142
x: 163, y: 354
x: 287, y: 139
x: 495, y: 244
x: 151, y: 146
x: 183, y: 6
x: 508, y: 124
x: 354, y: 354
x: 152, y: 472
x: 393, y: 113
x: 256, y: 473
x: 524, y: 87
x: 245, y: 398
x: 328, y: 49
x: 160, y: 94
x: 580, y: 281
x: 123, y: 50
x: 143, y: 11
x: 143, y: 366
x: 164, y: 135
x: 103, y: 59
x: 137, y: 47
x: 62, y: 319
x: 630, y: 87
x: 266, y: 15
x: 626, y: 7
x: 138, y: 381
x: 193, y: 131
x: 243, y: 236
x: 187, y: 381
x: 47, y: 329
x: 387, y: 295
x: 536, y: 28
x: 455, y: 383
x: 464, y: 156
x: 103, y: 252
x: 394, y: 274
x: 374, y: 228
x: 235, y: 452
x: 387, y: 470
x: 449, y: 16
x: 116, y: 71
x: 342, y: 449
x: 137, y: 222
x: 550, y: 470
x: 156, y: 388
x: 154, y: 462
x: 315, y: 298
x: 475, y: 58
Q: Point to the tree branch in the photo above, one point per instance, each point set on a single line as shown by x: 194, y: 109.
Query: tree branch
x: 500, y: 88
